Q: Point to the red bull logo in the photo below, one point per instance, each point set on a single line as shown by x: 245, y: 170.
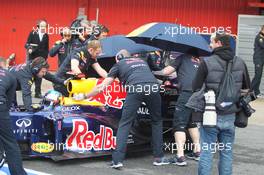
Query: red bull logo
x: 81, y: 139
x: 112, y: 96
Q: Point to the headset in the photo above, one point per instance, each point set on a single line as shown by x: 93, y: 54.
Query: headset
x: 120, y: 56
x: 37, y: 67
x: 76, y: 27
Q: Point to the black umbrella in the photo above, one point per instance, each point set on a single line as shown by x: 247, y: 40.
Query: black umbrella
x: 113, y: 44
x: 171, y: 37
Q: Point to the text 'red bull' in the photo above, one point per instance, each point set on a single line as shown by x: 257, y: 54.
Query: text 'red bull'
x: 81, y: 139
x: 112, y: 96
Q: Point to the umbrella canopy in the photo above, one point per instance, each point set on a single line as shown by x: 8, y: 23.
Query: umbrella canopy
x: 113, y: 44
x: 171, y: 37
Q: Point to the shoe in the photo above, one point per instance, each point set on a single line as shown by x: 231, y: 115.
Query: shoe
x: 161, y: 161
x: 114, y: 165
x: 38, y: 95
x: 261, y: 95
x: 194, y: 156
x: 179, y: 161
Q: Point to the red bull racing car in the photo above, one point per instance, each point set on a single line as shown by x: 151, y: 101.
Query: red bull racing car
x: 68, y: 129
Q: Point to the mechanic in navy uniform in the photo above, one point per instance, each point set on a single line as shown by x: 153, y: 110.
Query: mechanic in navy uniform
x: 134, y: 73
x: 63, y: 47
x: 79, y: 62
x: 83, y: 35
x: 155, y: 61
x: 258, y: 59
x: 25, y: 75
x: 7, y: 138
x: 90, y: 33
x: 186, y: 66
x: 37, y: 45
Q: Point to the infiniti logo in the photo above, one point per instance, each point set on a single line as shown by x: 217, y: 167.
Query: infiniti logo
x: 23, y: 123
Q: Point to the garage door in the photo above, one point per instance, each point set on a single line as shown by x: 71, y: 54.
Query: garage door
x: 248, y: 28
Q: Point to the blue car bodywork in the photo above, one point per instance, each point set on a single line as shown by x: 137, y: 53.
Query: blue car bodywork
x: 82, y: 130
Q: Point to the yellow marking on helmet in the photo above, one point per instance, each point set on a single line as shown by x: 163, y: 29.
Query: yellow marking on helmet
x: 82, y: 55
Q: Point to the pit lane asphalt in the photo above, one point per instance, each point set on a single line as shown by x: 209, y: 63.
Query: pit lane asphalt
x: 248, y: 156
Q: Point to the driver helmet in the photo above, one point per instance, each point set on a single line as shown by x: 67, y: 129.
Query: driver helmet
x: 52, y: 98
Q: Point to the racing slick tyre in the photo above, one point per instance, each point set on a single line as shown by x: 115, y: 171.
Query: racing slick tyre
x: 142, y: 129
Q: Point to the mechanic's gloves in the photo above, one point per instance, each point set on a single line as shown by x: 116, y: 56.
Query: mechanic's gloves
x: 80, y: 76
x: 76, y: 76
x: 78, y: 96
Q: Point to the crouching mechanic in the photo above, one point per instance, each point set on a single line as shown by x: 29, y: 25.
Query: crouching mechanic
x: 133, y: 73
x: 79, y: 62
x: 7, y: 138
x: 25, y: 75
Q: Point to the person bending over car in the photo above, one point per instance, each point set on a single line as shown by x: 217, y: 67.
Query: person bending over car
x: 78, y: 62
x: 7, y: 138
x: 134, y: 72
x: 25, y: 75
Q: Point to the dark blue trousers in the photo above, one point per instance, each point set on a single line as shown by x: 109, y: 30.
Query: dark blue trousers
x: 10, y: 146
x: 129, y: 113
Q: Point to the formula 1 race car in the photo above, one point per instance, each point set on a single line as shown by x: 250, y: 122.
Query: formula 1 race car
x: 64, y: 128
